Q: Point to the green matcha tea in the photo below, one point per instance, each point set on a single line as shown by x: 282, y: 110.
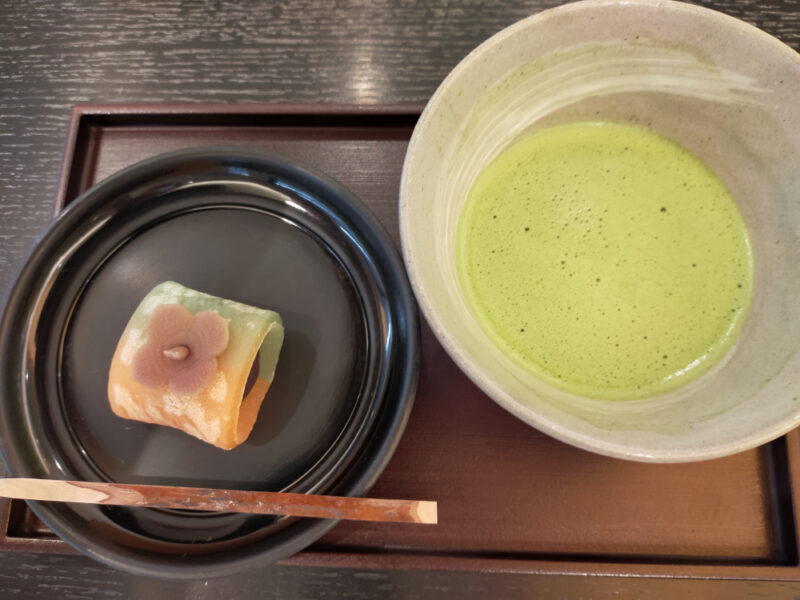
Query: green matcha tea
x: 606, y: 259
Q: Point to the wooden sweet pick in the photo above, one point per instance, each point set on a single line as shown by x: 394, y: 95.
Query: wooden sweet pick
x: 271, y: 503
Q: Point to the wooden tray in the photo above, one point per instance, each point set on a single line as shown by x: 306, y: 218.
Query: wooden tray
x: 510, y: 498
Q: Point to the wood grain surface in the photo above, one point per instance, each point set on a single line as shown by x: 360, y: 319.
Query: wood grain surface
x: 56, y: 54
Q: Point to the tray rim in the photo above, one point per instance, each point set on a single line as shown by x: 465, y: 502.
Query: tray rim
x: 80, y: 118
x: 80, y: 112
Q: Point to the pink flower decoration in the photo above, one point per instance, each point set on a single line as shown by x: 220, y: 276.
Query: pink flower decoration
x: 181, y: 349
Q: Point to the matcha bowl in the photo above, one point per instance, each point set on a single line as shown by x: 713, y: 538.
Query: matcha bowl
x: 721, y: 89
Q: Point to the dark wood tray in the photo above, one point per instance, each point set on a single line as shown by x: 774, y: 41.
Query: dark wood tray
x: 510, y: 498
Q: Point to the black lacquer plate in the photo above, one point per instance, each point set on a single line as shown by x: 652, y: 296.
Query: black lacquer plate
x: 257, y: 228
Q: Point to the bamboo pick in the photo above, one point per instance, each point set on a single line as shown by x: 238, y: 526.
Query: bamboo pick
x: 273, y: 503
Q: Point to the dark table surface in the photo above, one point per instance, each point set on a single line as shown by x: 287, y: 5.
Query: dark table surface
x: 57, y: 54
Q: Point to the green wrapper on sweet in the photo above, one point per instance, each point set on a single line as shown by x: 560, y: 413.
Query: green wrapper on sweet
x: 195, y: 362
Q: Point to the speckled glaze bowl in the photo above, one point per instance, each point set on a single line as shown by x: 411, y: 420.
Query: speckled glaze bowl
x: 727, y: 92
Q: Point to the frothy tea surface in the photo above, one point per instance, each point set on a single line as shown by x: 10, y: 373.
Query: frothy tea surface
x: 605, y: 258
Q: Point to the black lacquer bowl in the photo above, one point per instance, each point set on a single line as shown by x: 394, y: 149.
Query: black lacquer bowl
x: 257, y: 228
